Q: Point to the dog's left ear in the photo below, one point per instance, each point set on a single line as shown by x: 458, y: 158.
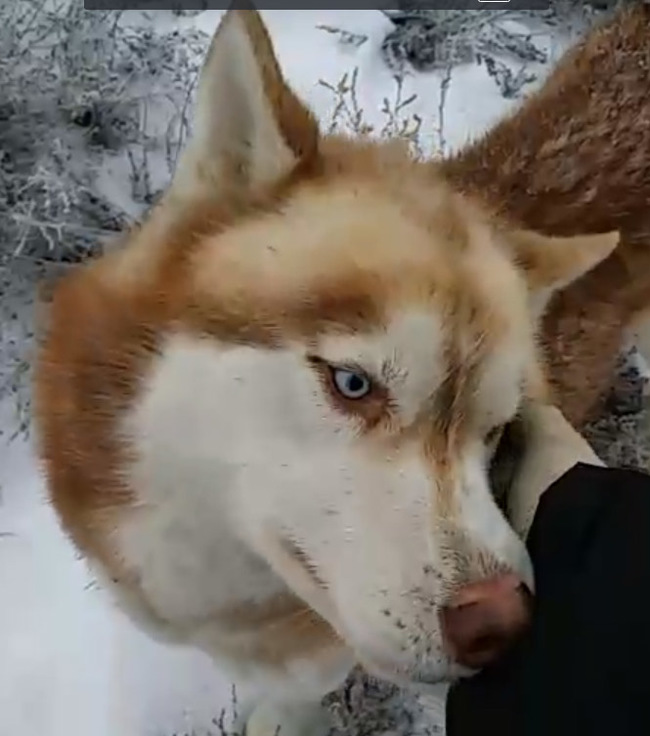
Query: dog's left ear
x: 249, y: 127
x: 552, y: 263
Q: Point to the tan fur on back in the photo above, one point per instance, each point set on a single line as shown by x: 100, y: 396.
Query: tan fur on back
x: 574, y: 159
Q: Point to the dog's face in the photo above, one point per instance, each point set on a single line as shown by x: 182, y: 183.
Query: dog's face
x: 342, y: 362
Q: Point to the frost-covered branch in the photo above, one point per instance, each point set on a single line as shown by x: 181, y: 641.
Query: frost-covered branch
x: 88, y: 103
x: 435, y: 40
x: 83, y: 92
x: 349, y: 117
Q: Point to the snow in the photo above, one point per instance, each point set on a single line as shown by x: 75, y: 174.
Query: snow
x: 70, y: 664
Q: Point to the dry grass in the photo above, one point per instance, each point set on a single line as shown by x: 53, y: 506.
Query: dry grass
x: 92, y: 107
x: 348, y: 116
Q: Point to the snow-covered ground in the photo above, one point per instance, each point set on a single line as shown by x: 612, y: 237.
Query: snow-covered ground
x: 69, y: 664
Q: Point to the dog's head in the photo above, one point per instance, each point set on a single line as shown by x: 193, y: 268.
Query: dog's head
x: 347, y: 337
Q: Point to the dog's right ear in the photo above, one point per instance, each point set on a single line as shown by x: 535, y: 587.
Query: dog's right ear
x: 249, y: 128
x: 549, y: 264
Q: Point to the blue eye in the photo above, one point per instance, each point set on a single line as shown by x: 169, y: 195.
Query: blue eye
x: 350, y: 384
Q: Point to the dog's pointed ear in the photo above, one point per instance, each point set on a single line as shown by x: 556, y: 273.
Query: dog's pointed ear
x: 552, y: 263
x: 249, y: 128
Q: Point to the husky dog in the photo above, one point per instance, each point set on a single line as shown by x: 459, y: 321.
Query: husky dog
x: 267, y: 419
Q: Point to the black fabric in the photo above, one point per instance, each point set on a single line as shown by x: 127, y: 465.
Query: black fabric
x: 583, y: 668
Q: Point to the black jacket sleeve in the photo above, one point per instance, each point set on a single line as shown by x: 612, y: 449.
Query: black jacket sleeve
x: 583, y: 667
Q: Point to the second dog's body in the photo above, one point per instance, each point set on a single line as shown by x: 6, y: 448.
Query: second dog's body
x: 575, y: 159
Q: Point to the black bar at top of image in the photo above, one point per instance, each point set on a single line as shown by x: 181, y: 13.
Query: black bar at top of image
x: 319, y: 4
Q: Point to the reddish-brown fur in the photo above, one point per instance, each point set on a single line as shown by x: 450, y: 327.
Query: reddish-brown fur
x: 575, y: 158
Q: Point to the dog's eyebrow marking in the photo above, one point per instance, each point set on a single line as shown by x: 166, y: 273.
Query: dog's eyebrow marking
x: 452, y: 398
x: 450, y: 404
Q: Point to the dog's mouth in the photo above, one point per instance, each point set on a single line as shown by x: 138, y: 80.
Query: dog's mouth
x: 299, y: 556
x: 442, y: 673
x: 301, y: 575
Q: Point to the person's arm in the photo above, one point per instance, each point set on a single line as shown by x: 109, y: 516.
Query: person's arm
x: 583, y: 668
